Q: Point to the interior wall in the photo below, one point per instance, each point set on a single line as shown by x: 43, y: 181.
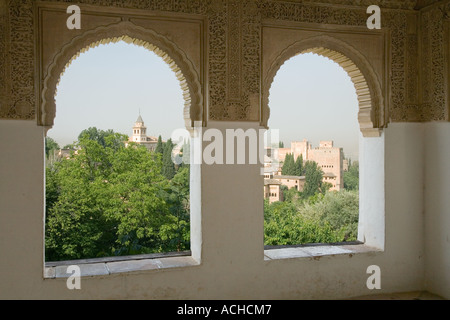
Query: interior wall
x: 232, y: 261
x: 437, y: 208
x: 372, y: 210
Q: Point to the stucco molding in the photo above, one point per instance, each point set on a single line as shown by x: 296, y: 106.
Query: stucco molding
x: 130, y: 33
x: 368, y: 87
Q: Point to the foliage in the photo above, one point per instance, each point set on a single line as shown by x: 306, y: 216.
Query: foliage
x: 288, y: 165
x: 351, y: 177
x: 159, y: 146
x: 313, y: 179
x: 298, y: 168
x: 168, y: 167
x: 283, y: 225
x: 108, y: 199
x: 328, y: 218
x: 340, y: 210
x: 95, y: 134
x: 291, y: 167
x: 177, y: 233
x: 50, y: 146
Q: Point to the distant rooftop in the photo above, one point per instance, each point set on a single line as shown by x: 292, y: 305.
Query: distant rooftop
x: 290, y: 177
x: 271, y: 181
x: 329, y: 174
x: 139, y: 119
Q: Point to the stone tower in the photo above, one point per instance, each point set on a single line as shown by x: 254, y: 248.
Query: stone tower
x: 139, y: 131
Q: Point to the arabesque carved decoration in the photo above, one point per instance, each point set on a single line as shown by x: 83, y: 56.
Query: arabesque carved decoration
x: 128, y: 32
x: 416, y: 74
x: 367, y: 85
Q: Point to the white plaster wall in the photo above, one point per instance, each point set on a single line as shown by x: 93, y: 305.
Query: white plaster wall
x: 437, y: 208
x: 232, y: 262
x: 372, y: 209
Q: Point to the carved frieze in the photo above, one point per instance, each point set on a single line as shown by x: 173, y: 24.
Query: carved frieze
x: 417, y: 52
x: 434, y: 69
x: 4, y: 58
x: 18, y: 60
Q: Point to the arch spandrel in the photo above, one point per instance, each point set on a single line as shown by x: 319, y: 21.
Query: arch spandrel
x: 177, y: 60
x: 371, y: 112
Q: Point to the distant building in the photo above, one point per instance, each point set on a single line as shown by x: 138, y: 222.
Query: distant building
x: 345, y: 165
x: 140, y: 135
x: 296, y: 182
x: 329, y: 158
x: 270, y: 172
x: 272, y: 190
x: 57, y: 155
x: 65, y: 153
x: 273, y: 182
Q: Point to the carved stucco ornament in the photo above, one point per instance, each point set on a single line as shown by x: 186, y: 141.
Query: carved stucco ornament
x: 371, y: 113
x: 130, y: 33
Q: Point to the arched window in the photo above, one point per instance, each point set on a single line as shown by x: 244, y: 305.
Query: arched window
x: 112, y: 196
x: 313, y: 102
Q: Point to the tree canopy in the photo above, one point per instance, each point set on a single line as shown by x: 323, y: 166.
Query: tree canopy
x: 291, y: 167
x: 313, y: 179
x: 314, y: 215
x: 50, y: 146
x: 168, y: 167
x: 351, y: 177
x: 328, y: 218
x: 108, y: 199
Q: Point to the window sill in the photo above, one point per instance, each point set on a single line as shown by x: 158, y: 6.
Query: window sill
x: 316, y: 251
x: 116, y: 265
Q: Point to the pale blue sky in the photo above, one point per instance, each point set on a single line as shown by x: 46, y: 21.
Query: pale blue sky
x: 311, y: 97
x: 107, y: 86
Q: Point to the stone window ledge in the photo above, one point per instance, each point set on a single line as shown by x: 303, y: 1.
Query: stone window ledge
x: 115, y: 265
x: 315, y: 251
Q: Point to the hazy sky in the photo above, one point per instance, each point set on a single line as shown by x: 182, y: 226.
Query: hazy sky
x: 107, y: 86
x: 311, y: 97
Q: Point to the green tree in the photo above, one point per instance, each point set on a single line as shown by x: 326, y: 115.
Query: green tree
x: 298, y: 168
x: 313, y: 179
x: 186, y: 154
x: 159, y: 146
x: 176, y: 234
x: 340, y: 210
x: 290, y: 195
x: 288, y: 168
x: 113, y: 200
x: 74, y: 222
x: 328, y: 218
x: 291, y: 167
x: 284, y: 225
x: 168, y: 167
x: 50, y: 146
x: 51, y: 187
x: 95, y: 134
x: 351, y: 177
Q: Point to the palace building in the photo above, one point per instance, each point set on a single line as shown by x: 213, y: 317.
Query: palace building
x: 329, y: 158
x: 140, y: 135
